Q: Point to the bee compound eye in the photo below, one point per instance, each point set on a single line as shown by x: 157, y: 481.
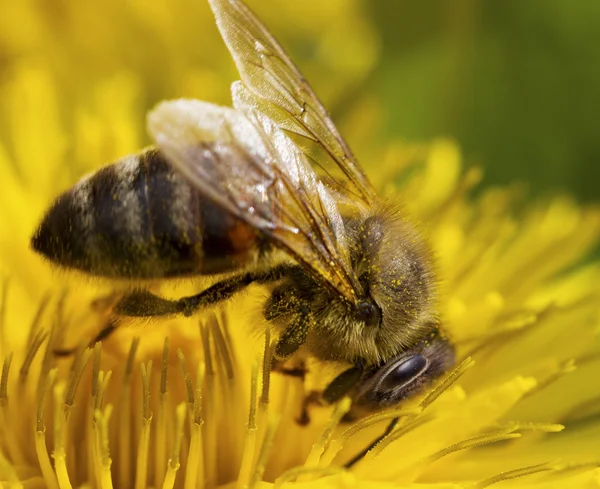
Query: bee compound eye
x: 402, y: 373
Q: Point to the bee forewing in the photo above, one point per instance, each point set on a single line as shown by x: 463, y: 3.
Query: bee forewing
x: 255, y: 172
x: 276, y: 88
x: 186, y: 123
x: 181, y: 129
x: 322, y: 207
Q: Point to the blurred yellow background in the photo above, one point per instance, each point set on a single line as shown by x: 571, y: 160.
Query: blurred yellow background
x: 516, y: 83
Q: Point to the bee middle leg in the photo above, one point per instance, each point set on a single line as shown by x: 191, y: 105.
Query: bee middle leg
x: 337, y: 388
x: 313, y: 398
x: 298, y: 370
x: 141, y: 303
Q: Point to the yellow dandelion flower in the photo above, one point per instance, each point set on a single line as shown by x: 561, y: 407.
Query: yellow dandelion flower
x: 191, y: 402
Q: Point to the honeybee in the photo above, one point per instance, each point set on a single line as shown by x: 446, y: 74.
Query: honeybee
x: 267, y: 192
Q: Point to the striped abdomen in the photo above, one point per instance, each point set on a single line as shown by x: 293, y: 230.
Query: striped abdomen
x: 138, y: 218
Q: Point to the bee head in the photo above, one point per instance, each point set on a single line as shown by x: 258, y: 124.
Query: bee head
x: 397, y: 307
x: 404, y: 374
x: 395, y: 269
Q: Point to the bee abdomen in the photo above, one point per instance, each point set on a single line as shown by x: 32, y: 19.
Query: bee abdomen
x: 139, y: 218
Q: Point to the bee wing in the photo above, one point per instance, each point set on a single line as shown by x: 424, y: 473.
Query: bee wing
x: 274, y: 86
x: 248, y: 166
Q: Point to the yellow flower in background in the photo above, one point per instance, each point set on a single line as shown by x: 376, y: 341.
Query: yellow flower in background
x: 186, y: 402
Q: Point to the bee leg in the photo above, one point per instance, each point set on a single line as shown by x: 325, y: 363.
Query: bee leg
x: 102, y: 335
x: 141, y: 303
x: 298, y: 371
x: 359, y: 456
x: 294, y: 335
x: 282, y: 302
x: 312, y: 398
x: 337, y: 389
x: 105, y: 332
x: 343, y: 383
x: 64, y: 352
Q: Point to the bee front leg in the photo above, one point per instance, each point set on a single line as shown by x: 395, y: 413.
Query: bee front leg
x: 343, y: 383
x: 294, y: 336
x: 337, y: 388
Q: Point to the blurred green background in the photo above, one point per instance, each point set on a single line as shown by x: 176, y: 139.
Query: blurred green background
x: 516, y: 82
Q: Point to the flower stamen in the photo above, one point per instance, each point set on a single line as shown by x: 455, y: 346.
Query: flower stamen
x: 174, y: 464
x: 9, y: 440
x: 195, y: 465
x: 124, y: 445
x: 102, y: 458
x: 141, y: 474
x: 317, y: 450
x: 34, y: 329
x: 477, y: 441
x: 8, y: 472
x: 59, y: 454
x: 32, y: 350
x: 3, y: 306
x: 160, y: 445
x: 227, y: 391
x: 247, y: 467
x: 513, y: 474
x: 447, y: 381
x: 188, y: 381
x: 4, y: 379
x: 263, y: 456
x: 565, y: 368
x: 46, y: 383
x: 262, y: 417
x: 77, y: 368
x: 337, y: 444
x: 401, y: 429
x: 298, y: 472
